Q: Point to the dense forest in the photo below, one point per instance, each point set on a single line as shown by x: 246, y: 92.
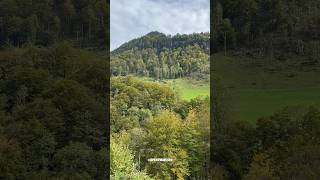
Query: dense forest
x: 158, y: 41
x: 266, y: 26
x: 149, y: 121
x: 163, y: 57
x: 282, y: 146
x: 53, y: 116
x: 53, y: 92
x: 43, y: 22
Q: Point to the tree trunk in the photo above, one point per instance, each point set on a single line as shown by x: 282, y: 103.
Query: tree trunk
x: 225, y: 43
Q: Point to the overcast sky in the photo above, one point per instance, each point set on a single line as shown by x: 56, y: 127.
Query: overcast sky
x: 134, y: 18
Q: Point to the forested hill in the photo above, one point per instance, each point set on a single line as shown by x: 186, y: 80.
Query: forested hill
x: 159, y: 41
x: 163, y: 57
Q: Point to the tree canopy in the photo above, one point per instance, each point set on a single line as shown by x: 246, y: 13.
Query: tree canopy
x: 43, y: 22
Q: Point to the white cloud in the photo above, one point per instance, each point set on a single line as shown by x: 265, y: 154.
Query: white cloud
x: 134, y: 18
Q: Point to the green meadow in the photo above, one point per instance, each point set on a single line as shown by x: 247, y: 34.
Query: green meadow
x: 251, y: 104
x: 186, y: 88
x: 254, y: 90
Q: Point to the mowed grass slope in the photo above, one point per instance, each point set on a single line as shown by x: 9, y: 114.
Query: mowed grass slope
x: 186, y: 89
x: 253, y: 92
x: 251, y: 104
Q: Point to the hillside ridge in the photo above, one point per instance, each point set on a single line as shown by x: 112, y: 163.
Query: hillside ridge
x: 158, y: 40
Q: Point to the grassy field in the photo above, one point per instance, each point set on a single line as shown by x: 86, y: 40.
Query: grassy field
x: 251, y: 104
x: 254, y: 92
x: 186, y: 89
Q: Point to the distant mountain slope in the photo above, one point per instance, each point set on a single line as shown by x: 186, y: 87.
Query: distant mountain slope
x: 159, y: 41
x: 163, y: 56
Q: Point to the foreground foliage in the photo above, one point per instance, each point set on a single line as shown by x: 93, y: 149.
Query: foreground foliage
x: 157, y: 125
x: 52, y: 115
x: 282, y: 146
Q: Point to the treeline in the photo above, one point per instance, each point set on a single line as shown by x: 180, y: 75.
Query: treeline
x: 159, y: 41
x: 285, y: 145
x: 166, y: 63
x: 267, y: 27
x: 52, y: 113
x: 148, y: 121
x: 43, y: 22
